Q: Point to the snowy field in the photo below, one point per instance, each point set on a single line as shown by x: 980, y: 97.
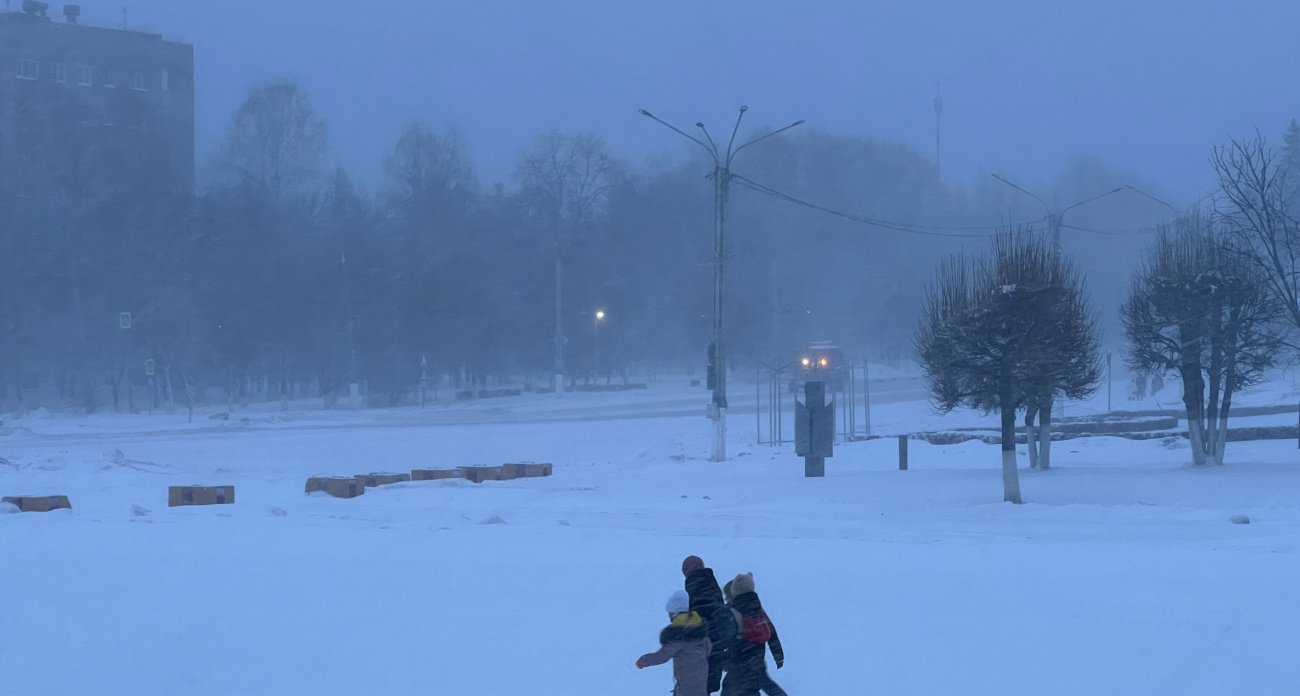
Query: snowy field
x: 1121, y: 575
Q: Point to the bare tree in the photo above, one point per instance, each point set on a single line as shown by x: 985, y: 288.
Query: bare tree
x: 1259, y: 214
x: 1067, y: 360
x: 1201, y: 308
x: 567, y: 179
x: 276, y: 142
x: 430, y: 174
x: 568, y: 176
x: 1291, y: 164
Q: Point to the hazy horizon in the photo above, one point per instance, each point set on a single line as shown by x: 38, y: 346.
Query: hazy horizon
x: 1026, y: 86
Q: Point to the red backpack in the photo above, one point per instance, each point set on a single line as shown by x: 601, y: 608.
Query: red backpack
x: 756, y: 629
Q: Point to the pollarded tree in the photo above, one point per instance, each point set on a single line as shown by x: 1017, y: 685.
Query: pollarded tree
x: 1201, y: 308
x: 1068, y: 361
x: 998, y: 332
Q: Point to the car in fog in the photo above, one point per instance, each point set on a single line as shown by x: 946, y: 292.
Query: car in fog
x: 821, y: 361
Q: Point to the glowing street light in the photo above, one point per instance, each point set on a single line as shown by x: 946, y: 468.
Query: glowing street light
x: 599, y: 317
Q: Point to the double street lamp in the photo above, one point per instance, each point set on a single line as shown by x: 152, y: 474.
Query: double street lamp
x: 722, y: 160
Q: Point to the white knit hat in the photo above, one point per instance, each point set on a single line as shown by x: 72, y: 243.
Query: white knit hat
x: 679, y: 603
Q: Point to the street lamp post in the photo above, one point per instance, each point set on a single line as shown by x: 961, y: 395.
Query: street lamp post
x: 722, y: 160
x: 1054, y: 222
x: 599, y: 317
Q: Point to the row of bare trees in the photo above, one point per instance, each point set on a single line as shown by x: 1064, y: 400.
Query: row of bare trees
x: 1216, y: 302
x: 285, y: 277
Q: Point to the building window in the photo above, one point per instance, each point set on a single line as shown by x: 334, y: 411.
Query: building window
x: 165, y: 86
x: 137, y: 82
x: 86, y: 76
x: 28, y: 69
x: 60, y: 72
x: 110, y: 80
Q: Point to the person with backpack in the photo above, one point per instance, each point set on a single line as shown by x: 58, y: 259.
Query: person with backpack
x: 707, y: 601
x: 685, y: 641
x: 747, y: 674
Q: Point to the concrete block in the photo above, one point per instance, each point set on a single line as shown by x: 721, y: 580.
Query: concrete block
x: 337, y: 486
x: 526, y: 470
x: 373, y: 480
x: 479, y: 474
x: 435, y: 474
x: 200, y: 495
x: 39, y: 503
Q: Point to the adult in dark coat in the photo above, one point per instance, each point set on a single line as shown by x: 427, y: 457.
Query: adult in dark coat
x: 747, y: 674
x: 707, y: 601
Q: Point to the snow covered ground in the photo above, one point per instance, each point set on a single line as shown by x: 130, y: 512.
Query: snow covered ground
x: 1121, y: 575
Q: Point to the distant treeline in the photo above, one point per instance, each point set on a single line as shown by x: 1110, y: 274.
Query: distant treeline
x: 285, y: 277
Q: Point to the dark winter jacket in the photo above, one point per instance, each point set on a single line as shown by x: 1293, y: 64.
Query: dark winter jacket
x: 703, y: 588
x: 686, y: 642
x: 745, y: 653
x: 706, y: 599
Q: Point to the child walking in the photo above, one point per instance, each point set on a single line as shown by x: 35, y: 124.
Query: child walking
x: 685, y: 641
x: 747, y: 674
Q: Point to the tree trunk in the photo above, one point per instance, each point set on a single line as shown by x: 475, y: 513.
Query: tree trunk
x: 1215, y: 372
x: 284, y: 387
x: 1010, y: 475
x: 88, y: 391
x: 230, y: 391
x: 1045, y: 435
x: 130, y: 392
x: 189, y: 394
x: 1194, y: 403
x: 1195, y: 425
x: 18, y: 388
x: 1229, y: 376
x: 118, y: 381
x: 171, y: 403
x: 1031, y: 434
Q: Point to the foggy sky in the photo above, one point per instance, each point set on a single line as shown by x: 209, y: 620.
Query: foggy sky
x: 1026, y: 84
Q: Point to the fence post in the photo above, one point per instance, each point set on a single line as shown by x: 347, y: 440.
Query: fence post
x: 902, y: 453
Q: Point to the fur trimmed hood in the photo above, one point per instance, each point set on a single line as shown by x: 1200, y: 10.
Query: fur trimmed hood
x: 685, y: 628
